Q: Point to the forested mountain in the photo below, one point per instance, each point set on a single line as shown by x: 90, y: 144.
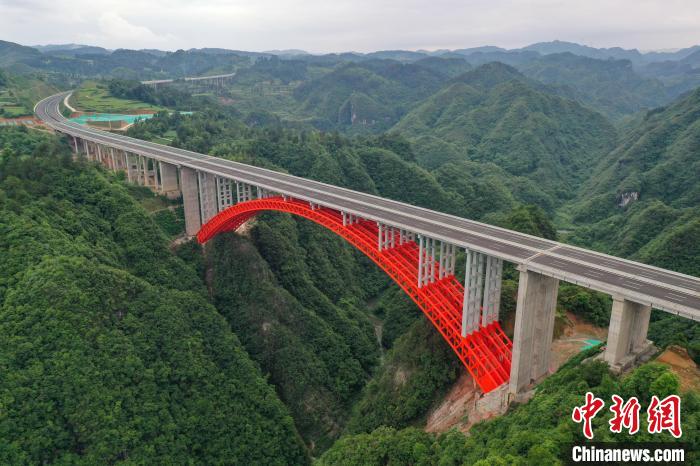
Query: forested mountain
x: 652, y: 176
x: 614, y: 81
x: 494, y: 114
x: 111, y: 351
x: 372, y: 94
x: 610, y: 86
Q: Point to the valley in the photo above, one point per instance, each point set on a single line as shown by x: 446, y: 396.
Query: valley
x: 149, y: 347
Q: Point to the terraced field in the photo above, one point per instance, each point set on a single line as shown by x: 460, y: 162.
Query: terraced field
x: 94, y: 97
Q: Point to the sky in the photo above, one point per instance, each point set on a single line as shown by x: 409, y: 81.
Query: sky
x: 320, y: 26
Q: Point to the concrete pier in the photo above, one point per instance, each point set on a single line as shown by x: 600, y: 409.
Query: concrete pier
x: 534, y: 329
x: 207, y: 196
x: 168, y: 180
x: 190, y: 200
x: 627, y: 334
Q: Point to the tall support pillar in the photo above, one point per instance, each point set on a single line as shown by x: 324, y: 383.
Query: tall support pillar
x: 627, y: 334
x: 492, y: 290
x: 168, y: 180
x: 244, y: 192
x: 86, y: 147
x: 224, y: 193
x: 131, y: 169
x: 140, y: 170
x: 190, y: 200
x: 157, y: 184
x: 112, y: 160
x: 473, y: 289
x: 207, y: 196
x: 426, y: 260
x: 150, y: 175
x: 124, y: 161
x: 534, y: 329
x: 447, y: 260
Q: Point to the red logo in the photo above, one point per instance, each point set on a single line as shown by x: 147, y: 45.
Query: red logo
x: 625, y: 415
x: 665, y: 415
x: 662, y: 415
x: 587, y: 412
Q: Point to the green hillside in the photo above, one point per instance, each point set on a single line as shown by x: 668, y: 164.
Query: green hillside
x: 654, y: 173
x: 494, y: 114
x: 611, y: 87
x: 19, y: 93
x: 111, y: 351
x: 368, y: 96
x: 531, y: 434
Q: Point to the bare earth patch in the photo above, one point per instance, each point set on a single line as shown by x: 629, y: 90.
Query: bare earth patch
x: 576, y: 336
x: 455, y: 408
x: 681, y: 364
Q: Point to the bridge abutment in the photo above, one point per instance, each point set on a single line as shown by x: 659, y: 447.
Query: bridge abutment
x: 627, y: 334
x: 534, y: 329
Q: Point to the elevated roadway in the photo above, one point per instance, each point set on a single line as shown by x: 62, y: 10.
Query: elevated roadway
x: 662, y: 289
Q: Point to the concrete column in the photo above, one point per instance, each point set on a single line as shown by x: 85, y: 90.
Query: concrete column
x: 190, y: 200
x: 492, y: 290
x: 627, y: 334
x: 168, y: 180
x: 224, y: 193
x: 426, y: 261
x: 421, y: 259
x: 244, y: 192
x: 534, y: 328
x: 156, y: 176
x: 140, y: 171
x: 207, y: 196
x: 112, y: 160
x: 473, y: 289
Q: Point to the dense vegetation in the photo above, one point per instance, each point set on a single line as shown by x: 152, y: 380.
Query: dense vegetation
x: 530, y: 434
x: 110, y: 350
x: 493, y: 114
x: 169, y: 96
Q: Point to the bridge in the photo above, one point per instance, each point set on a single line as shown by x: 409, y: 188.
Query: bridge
x: 218, y: 80
x: 418, y: 248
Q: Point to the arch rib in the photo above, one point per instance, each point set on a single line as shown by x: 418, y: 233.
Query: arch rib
x: 486, y: 353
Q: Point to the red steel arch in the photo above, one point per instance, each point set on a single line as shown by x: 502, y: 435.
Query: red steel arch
x: 485, y: 353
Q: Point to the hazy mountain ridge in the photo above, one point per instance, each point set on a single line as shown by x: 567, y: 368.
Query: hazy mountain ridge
x: 495, y: 114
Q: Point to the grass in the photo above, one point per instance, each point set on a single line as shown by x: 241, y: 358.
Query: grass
x: 95, y: 97
x: 13, y: 111
x: 11, y: 107
x: 20, y: 95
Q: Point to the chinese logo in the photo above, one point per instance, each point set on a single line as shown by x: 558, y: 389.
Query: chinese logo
x: 662, y: 415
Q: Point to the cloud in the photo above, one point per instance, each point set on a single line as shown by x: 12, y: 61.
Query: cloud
x: 115, y: 29
x: 341, y: 25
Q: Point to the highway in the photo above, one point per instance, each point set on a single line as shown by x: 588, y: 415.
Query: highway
x: 196, y: 78
x: 663, y: 289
